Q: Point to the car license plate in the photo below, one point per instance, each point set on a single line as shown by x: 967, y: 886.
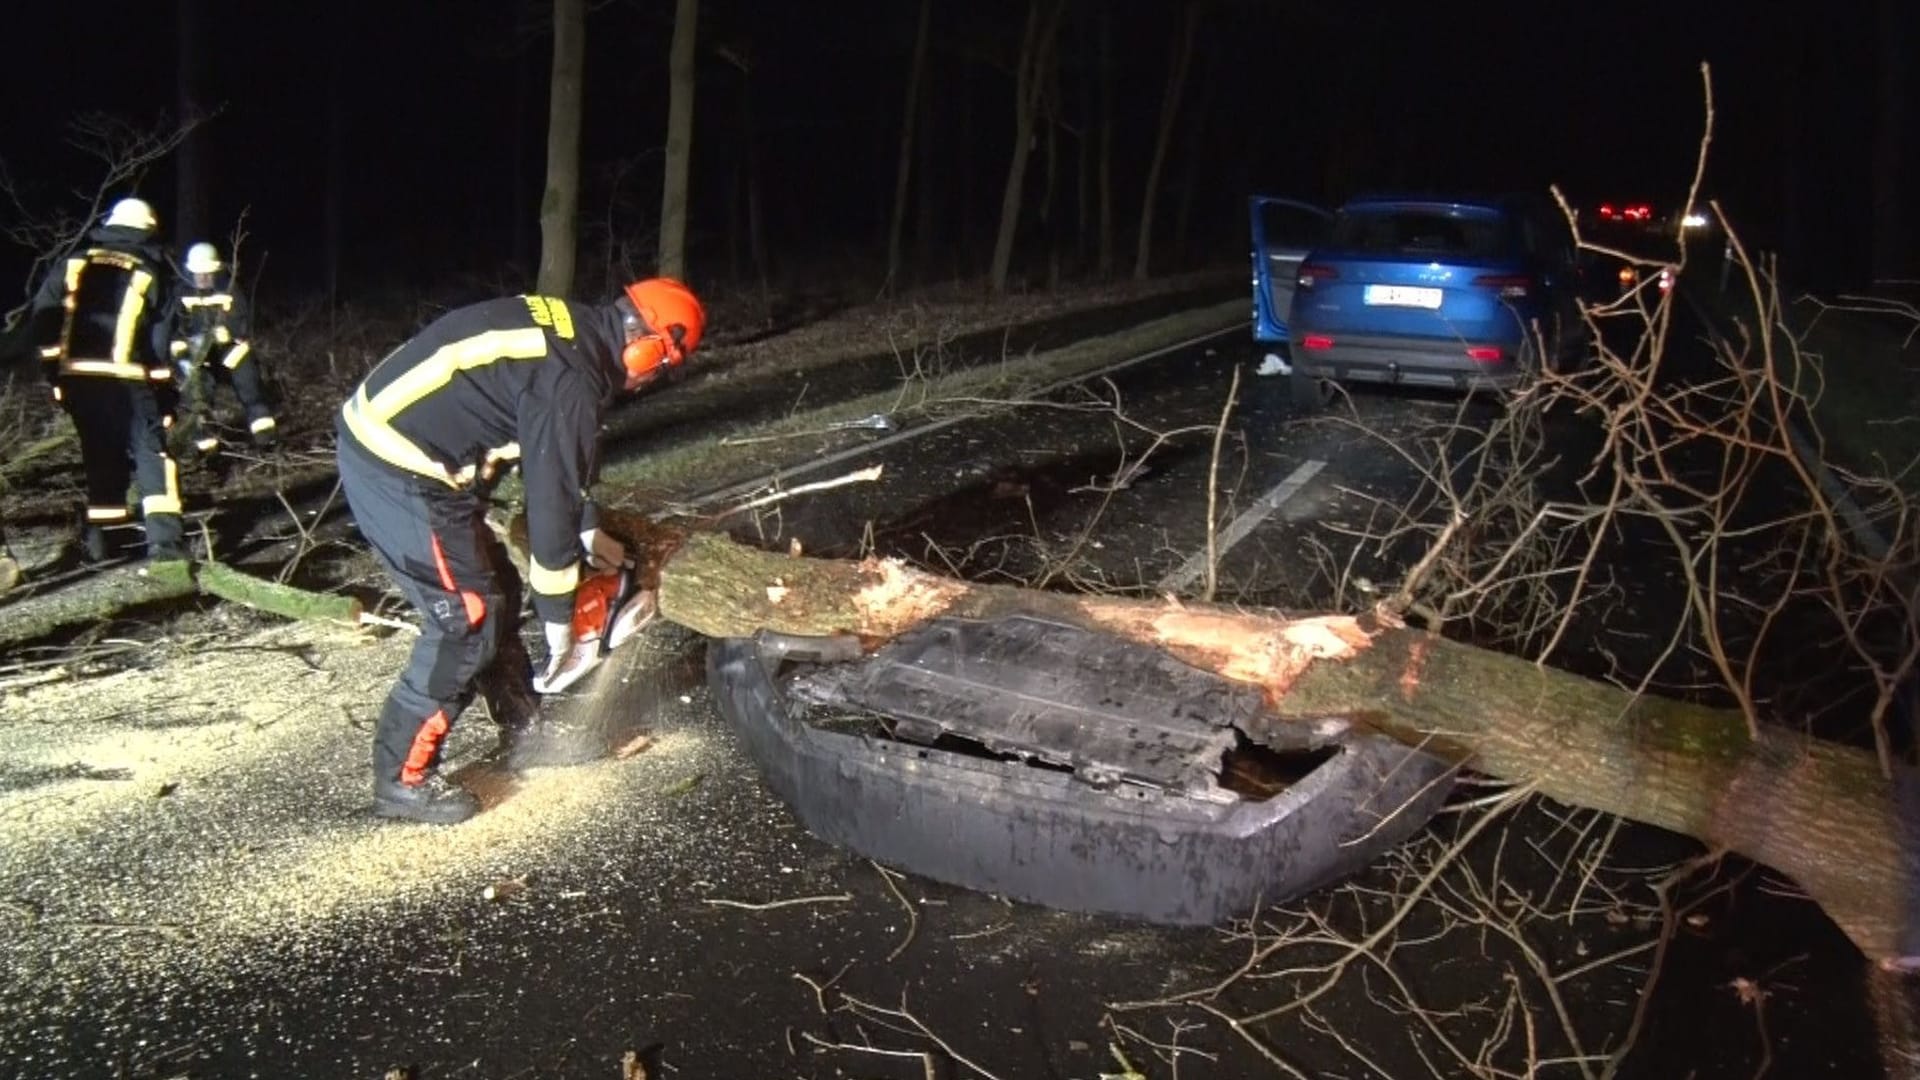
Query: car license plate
x: 1401, y: 296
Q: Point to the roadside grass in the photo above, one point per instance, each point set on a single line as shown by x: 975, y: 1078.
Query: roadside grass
x: 1859, y: 372
x: 932, y: 384
x: 1868, y: 403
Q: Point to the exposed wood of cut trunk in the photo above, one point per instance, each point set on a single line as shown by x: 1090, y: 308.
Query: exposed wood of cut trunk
x: 1818, y: 812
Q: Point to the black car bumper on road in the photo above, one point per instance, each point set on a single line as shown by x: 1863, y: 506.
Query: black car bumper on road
x: 1074, y: 770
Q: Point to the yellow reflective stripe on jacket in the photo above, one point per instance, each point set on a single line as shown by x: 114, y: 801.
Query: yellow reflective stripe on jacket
x: 380, y: 440
x: 439, y: 368
x: 224, y: 301
x: 132, y: 303
x: 370, y: 418
x: 553, y: 582
x: 235, y: 355
x: 107, y: 368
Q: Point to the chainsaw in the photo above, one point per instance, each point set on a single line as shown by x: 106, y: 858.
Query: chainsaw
x: 609, y: 608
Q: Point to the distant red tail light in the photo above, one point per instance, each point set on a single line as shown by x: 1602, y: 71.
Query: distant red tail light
x: 1313, y: 273
x: 1316, y: 342
x: 1511, y: 286
x: 1485, y: 354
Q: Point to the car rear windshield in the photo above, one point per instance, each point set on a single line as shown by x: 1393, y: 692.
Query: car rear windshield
x: 1427, y: 232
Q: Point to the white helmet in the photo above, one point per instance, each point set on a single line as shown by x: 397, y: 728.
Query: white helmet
x: 134, y: 214
x: 202, y: 258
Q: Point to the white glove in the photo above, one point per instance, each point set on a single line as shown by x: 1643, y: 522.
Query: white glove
x: 603, y: 551
x: 559, y: 644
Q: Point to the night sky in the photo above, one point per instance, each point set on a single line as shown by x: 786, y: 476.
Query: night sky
x: 428, y: 120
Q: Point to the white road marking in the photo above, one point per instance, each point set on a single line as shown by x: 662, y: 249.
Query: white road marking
x: 1238, y: 529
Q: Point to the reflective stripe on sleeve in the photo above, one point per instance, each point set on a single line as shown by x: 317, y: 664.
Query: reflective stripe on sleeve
x: 553, y: 582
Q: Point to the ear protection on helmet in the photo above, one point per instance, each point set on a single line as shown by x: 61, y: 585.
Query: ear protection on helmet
x: 643, y: 355
x: 648, y: 351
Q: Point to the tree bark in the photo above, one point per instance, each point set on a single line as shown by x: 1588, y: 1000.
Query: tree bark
x: 1105, y: 264
x: 903, y: 172
x: 334, y: 212
x: 560, y: 205
x: 1036, y: 51
x: 673, y: 191
x: 1169, y: 119
x: 190, y: 175
x: 1818, y: 812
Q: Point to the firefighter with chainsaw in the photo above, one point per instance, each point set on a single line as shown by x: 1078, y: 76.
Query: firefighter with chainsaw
x: 521, y: 379
x: 208, y: 341
x: 98, y: 317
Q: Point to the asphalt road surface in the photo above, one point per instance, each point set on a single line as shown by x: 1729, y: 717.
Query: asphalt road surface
x: 676, y: 910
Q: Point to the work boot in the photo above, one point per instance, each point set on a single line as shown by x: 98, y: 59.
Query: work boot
x: 434, y: 800
x: 94, y: 543
x: 549, y: 743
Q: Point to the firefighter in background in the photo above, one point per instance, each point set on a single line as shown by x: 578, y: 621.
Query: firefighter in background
x: 99, y: 316
x: 421, y: 441
x: 208, y: 331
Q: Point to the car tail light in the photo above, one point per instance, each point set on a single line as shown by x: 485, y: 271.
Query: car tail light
x: 1666, y: 279
x: 1316, y: 342
x: 1485, y: 354
x: 1606, y: 210
x: 1511, y: 286
x: 1310, y: 273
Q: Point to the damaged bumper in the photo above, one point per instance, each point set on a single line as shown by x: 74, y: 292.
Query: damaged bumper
x: 1066, y: 768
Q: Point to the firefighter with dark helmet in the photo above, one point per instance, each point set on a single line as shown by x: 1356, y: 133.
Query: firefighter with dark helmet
x: 522, y: 379
x: 208, y: 341
x: 97, y: 317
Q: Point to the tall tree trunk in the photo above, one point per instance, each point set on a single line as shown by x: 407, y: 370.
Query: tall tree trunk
x: 1891, y: 254
x: 522, y: 122
x: 1036, y: 50
x: 190, y: 157
x: 926, y: 213
x: 1192, y: 160
x: 334, y: 212
x: 1106, y: 259
x: 673, y: 191
x: 756, y: 203
x: 908, y: 116
x: 1821, y: 813
x: 560, y: 206
x: 1169, y: 119
x: 1083, y: 164
x: 966, y: 250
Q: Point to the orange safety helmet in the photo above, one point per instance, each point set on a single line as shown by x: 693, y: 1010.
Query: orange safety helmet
x: 670, y: 322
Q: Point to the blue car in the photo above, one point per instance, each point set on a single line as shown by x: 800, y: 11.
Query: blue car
x: 1465, y: 294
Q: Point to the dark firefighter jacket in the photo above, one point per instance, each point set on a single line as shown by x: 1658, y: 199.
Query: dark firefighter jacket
x: 101, y: 310
x: 523, y: 378
x: 211, y: 318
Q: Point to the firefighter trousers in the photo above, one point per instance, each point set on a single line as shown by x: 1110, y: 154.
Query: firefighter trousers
x: 234, y: 366
x: 435, y: 545
x: 122, y: 431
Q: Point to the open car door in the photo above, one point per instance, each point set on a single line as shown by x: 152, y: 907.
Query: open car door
x: 1284, y: 230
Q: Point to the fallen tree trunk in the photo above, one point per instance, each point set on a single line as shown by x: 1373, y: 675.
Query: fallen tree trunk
x: 1817, y: 812
x: 118, y: 594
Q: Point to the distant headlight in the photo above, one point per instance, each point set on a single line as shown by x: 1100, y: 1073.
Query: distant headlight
x: 1694, y: 221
